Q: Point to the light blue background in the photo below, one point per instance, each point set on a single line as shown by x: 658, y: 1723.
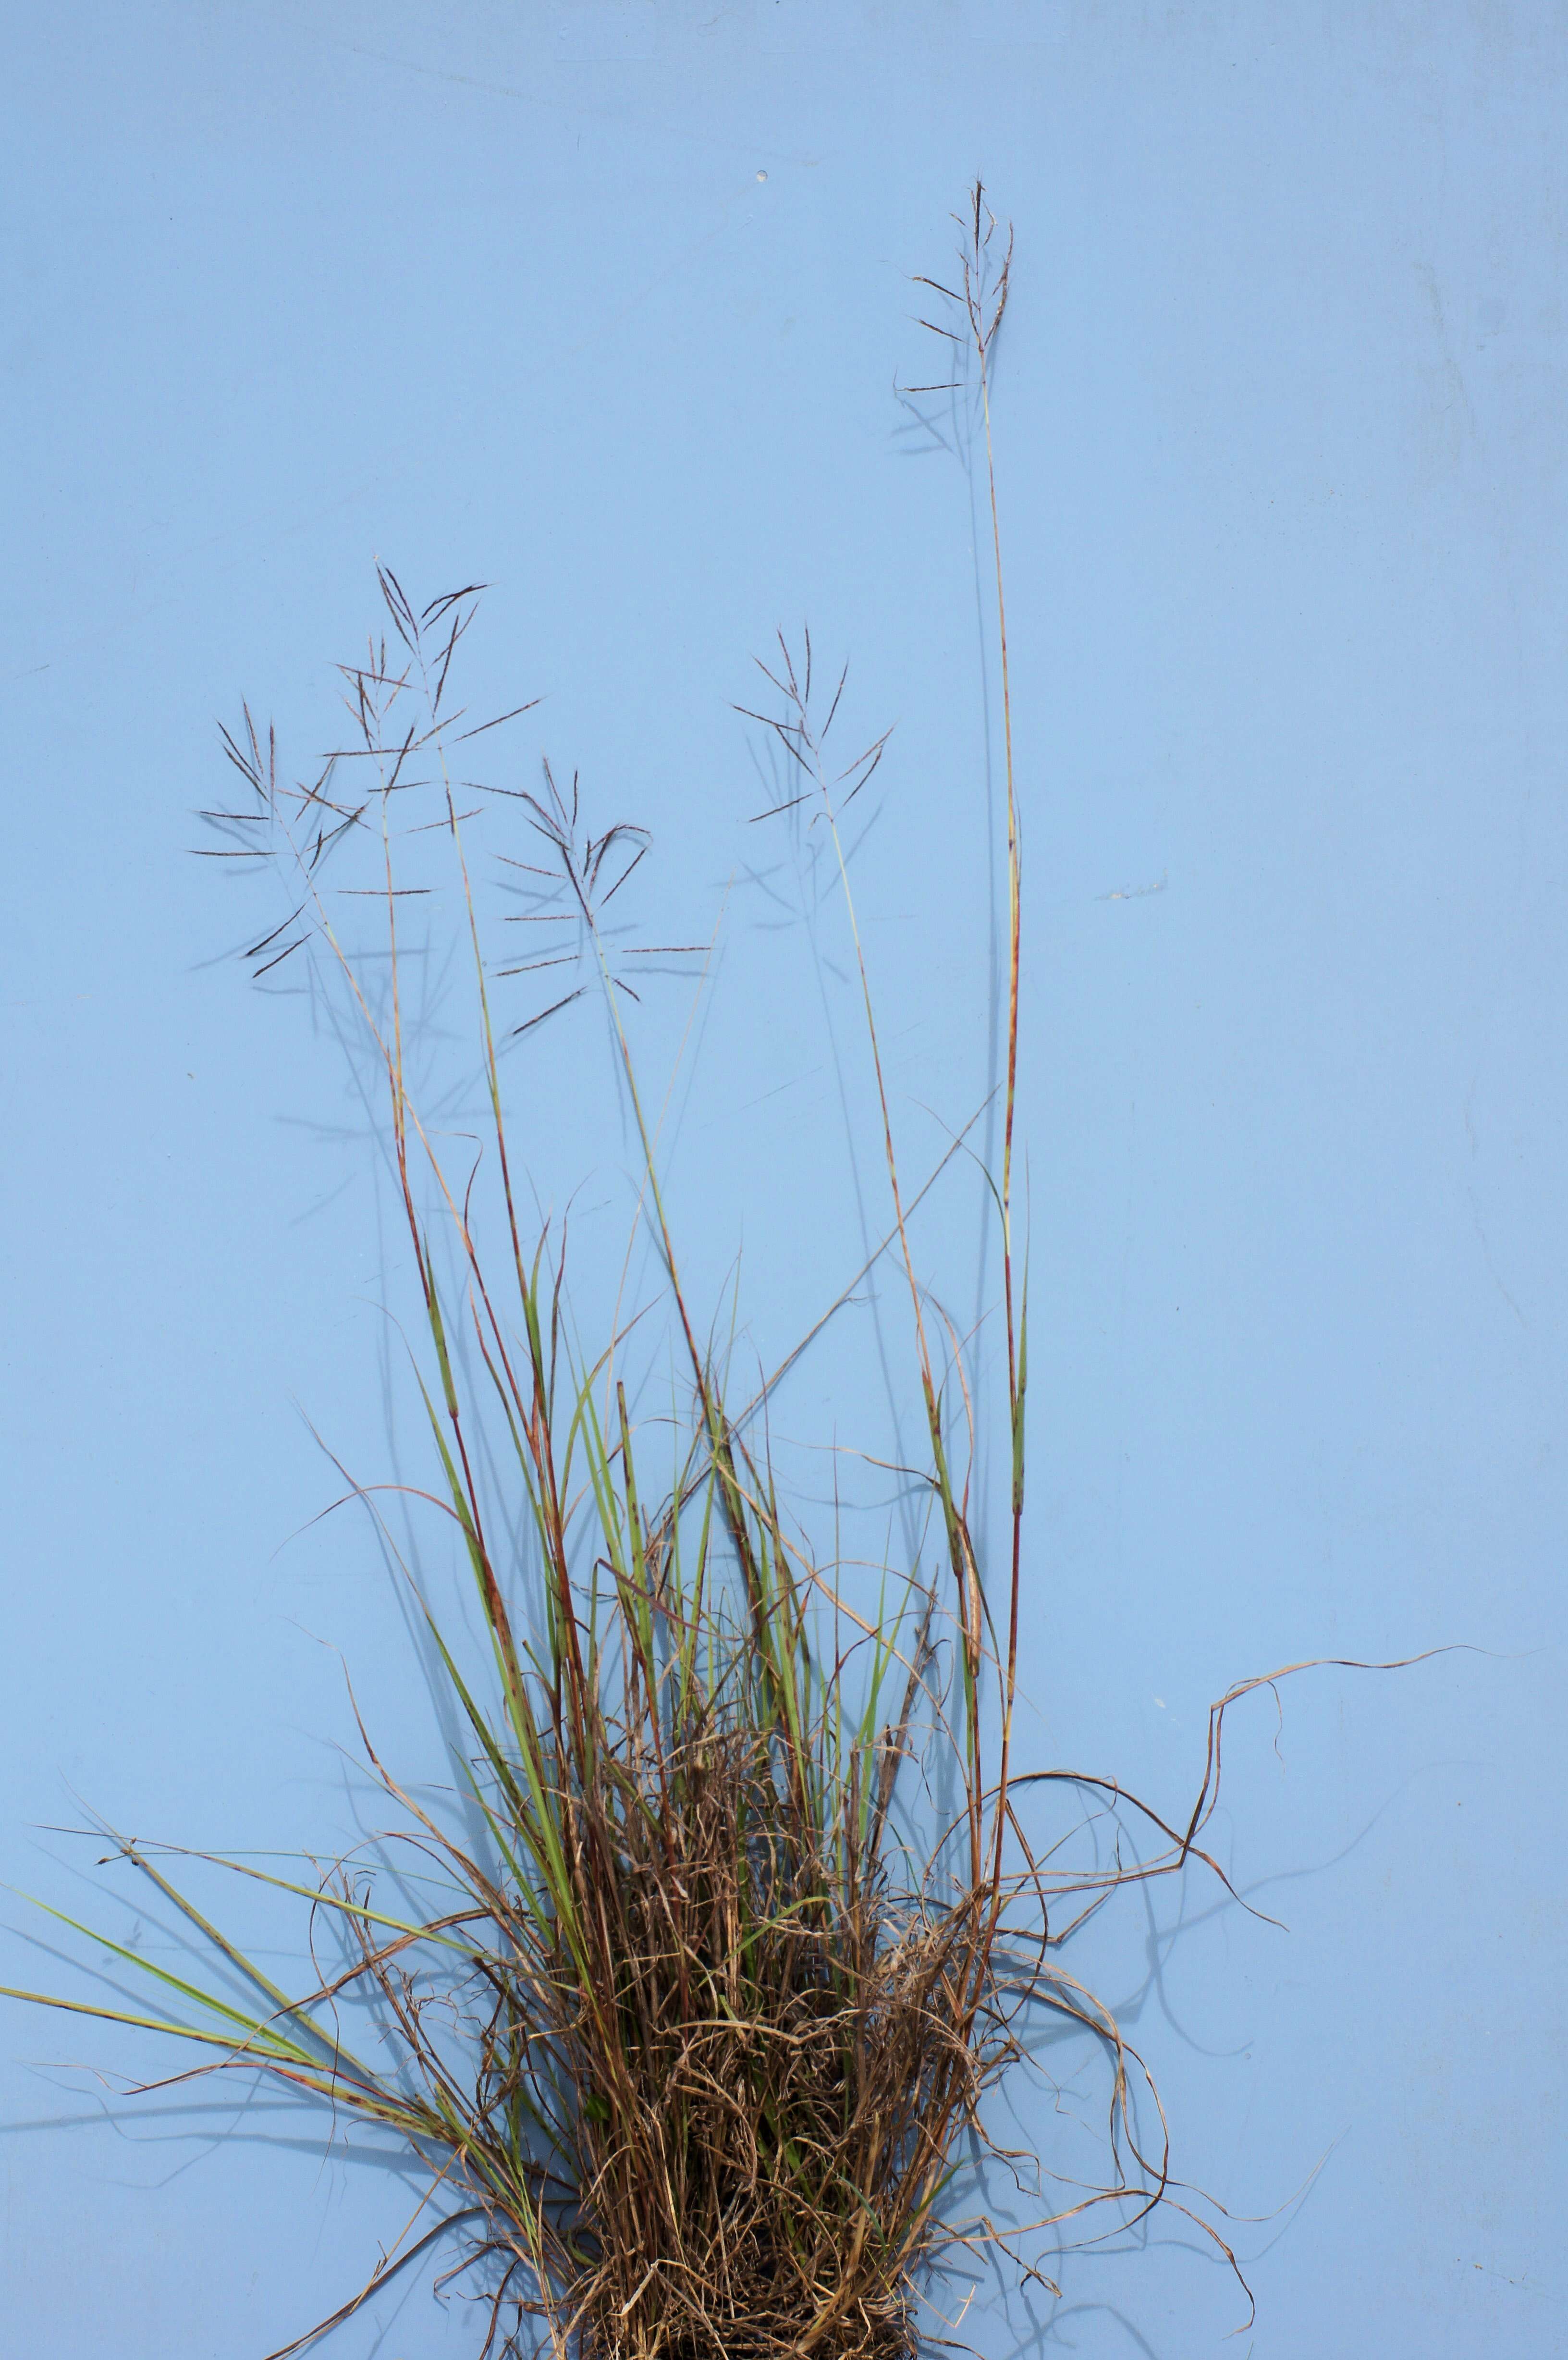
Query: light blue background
x: 1282, y: 412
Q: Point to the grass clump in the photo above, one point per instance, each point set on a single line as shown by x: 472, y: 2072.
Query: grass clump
x: 692, y: 2000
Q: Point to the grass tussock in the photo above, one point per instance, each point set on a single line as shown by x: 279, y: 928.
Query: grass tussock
x: 693, y: 1995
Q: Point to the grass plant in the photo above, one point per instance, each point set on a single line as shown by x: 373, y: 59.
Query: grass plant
x: 693, y: 2000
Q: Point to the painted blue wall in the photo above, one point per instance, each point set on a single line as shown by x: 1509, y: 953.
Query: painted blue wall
x: 1282, y: 412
